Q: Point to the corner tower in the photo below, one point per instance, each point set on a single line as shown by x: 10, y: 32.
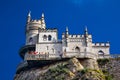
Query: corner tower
x: 32, y: 27
x: 31, y: 32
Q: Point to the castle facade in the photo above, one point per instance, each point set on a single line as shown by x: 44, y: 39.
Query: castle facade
x: 43, y: 43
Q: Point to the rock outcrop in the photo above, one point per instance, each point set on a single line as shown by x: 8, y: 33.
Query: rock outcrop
x: 71, y: 69
x: 111, y: 66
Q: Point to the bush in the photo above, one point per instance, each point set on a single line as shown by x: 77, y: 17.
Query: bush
x: 84, y: 71
x: 102, y: 61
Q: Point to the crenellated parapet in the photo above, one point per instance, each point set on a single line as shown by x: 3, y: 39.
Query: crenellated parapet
x: 35, y: 24
x: 48, y: 30
x: 76, y: 36
x: 35, y: 21
x: 100, y: 44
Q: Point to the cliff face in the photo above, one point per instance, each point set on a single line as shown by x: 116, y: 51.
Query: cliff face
x: 71, y: 69
x: 112, y: 66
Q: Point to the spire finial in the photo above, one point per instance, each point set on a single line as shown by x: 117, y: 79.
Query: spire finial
x: 86, y: 30
x: 29, y: 17
x: 42, y: 15
x: 66, y: 28
x: 29, y: 14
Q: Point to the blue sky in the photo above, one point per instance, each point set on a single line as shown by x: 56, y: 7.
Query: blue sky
x: 101, y: 16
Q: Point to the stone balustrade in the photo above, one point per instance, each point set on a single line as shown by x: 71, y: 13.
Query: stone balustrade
x: 48, y: 56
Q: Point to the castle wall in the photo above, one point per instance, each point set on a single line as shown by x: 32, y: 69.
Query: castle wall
x: 73, y: 45
x: 52, y: 48
x: 104, y: 49
x: 47, y: 33
x: 46, y: 40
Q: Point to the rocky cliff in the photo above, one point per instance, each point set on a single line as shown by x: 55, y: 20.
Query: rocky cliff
x: 111, y: 66
x: 68, y: 69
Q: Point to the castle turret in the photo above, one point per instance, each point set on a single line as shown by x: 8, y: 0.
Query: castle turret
x: 86, y: 36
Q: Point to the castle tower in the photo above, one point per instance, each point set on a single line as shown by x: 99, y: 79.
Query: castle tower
x: 32, y: 30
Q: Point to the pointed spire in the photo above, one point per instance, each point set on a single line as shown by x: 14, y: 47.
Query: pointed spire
x: 66, y: 30
x: 29, y: 14
x: 86, y: 36
x: 29, y: 17
x: 42, y: 15
x: 43, y: 21
x: 67, y: 33
x: 86, y: 30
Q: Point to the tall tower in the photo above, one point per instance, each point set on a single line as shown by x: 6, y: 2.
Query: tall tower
x: 32, y: 30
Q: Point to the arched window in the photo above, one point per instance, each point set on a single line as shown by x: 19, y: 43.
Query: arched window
x: 49, y: 38
x: 44, y: 37
x: 77, y: 50
x: 30, y: 39
x: 101, y: 52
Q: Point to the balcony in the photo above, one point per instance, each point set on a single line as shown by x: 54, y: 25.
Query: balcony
x: 48, y: 56
x: 25, y: 49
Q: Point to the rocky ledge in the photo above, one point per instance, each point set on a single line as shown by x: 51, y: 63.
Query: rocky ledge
x: 71, y: 69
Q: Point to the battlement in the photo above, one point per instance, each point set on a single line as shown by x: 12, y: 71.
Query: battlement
x: 101, y: 44
x: 79, y: 36
x: 48, y: 30
x: 76, y: 36
x: 34, y: 21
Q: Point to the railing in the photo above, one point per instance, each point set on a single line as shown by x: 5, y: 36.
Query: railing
x: 48, y: 56
x: 45, y: 56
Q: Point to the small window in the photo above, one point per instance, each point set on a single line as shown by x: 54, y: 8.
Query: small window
x: 30, y: 39
x: 49, y: 38
x: 44, y: 37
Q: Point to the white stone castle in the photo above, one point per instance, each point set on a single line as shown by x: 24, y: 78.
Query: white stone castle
x: 43, y: 43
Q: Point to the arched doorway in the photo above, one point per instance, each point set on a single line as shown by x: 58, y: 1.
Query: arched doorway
x: 77, y: 50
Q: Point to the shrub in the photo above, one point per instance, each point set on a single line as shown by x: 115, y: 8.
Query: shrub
x: 102, y: 61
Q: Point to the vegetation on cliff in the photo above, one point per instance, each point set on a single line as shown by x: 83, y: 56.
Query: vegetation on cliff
x: 67, y: 70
